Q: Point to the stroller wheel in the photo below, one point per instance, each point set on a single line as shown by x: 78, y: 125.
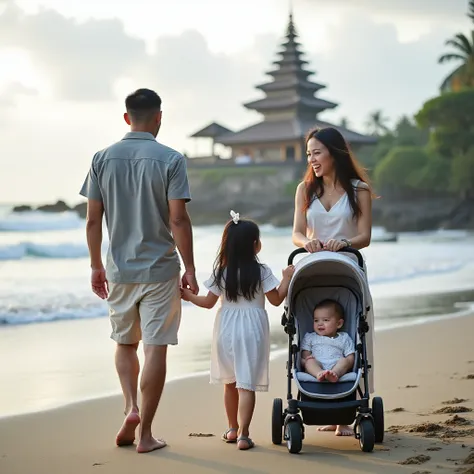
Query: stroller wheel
x: 277, y: 421
x: 366, y: 435
x: 378, y: 416
x: 294, y: 437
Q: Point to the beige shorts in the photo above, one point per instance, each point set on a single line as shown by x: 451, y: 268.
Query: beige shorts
x: 150, y: 312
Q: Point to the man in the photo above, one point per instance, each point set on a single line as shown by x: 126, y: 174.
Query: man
x: 142, y: 187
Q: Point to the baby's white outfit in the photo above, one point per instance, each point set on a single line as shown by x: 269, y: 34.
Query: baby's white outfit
x: 240, y: 348
x: 328, y: 350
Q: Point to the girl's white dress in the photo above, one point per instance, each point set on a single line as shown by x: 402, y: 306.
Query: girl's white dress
x: 338, y: 223
x: 241, y: 342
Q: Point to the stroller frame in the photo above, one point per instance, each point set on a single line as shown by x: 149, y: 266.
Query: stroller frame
x: 368, y: 422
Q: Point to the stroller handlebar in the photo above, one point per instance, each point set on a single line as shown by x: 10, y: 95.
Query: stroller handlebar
x: 351, y: 250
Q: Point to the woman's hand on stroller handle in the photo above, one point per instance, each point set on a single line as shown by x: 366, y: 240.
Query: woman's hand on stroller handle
x: 313, y: 245
x: 351, y: 250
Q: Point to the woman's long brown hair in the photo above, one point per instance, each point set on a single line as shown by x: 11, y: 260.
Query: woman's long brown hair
x: 345, y: 164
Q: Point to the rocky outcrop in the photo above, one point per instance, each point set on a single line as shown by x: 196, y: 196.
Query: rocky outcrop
x: 59, y: 206
x: 266, y: 194
x: 81, y: 209
x: 22, y: 208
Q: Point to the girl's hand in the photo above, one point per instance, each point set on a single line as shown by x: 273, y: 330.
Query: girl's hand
x: 186, y: 293
x: 288, y: 272
x: 334, y: 245
x: 313, y: 246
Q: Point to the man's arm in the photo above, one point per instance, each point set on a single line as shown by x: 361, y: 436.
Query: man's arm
x: 181, y: 229
x: 95, y: 212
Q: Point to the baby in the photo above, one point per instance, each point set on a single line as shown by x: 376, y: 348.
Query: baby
x: 326, y: 353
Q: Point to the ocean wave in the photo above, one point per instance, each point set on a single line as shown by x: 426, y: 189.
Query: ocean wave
x: 37, y: 221
x: 410, y: 273
x: 15, y: 316
x: 34, y: 250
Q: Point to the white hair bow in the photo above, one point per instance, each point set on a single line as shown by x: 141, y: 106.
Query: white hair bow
x: 235, y: 216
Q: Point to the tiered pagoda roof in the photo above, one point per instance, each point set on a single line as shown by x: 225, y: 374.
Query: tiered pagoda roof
x: 290, y: 107
x: 290, y: 89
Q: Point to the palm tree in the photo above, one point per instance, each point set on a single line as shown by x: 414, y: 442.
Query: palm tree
x: 463, y: 75
x: 377, y: 123
x: 344, y: 123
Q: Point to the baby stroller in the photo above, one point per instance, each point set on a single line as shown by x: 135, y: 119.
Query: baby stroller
x: 317, y: 277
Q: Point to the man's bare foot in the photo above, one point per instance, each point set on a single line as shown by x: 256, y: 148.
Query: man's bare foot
x: 344, y: 430
x: 331, y: 376
x: 149, y: 445
x: 328, y: 428
x: 126, y: 435
x: 320, y: 376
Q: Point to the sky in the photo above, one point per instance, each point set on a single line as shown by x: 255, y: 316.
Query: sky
x: 66, y: 67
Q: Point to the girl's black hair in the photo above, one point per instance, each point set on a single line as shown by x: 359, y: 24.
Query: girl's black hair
x: 237, y: 270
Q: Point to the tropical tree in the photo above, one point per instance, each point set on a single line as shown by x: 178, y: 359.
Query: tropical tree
x: 450, y: 117
x: 344, y: 122
x: 463, y: 51
x: 377, y: 123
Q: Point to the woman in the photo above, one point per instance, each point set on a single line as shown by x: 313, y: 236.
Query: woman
x: 333, y: 209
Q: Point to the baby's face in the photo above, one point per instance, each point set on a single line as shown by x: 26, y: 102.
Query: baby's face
x: 326, y: 322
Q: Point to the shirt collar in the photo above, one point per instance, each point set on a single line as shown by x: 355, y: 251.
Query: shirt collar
x: 138, y: 136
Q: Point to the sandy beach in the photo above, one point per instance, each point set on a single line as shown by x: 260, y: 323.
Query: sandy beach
x: 421, y: 369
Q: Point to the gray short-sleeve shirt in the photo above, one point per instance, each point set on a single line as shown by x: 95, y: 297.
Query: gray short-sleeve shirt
x: 135, y: 178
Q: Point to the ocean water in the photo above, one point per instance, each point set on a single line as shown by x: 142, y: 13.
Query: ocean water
x: 54, y: 331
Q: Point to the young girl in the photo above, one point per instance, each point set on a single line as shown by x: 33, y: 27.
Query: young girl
x: 241, y: 343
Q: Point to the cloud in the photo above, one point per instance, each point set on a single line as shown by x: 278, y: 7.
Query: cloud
x: 376, y: 71
x: 426, y: 8
x: 82, y: 59
x: 13, y: 91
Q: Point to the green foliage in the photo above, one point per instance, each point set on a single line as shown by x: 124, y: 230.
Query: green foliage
x: 220, y: 173
x: 431, y: 176
x: 451, y: 118
x: 405, y: 133
x: 462, y: 176
x: 399, y: 169
x: 290, y: 188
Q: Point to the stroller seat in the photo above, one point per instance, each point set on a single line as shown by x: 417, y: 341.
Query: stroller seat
x: 305, y: 377
x: 305, y: 303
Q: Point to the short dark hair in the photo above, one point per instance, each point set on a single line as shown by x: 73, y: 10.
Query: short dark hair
x: 337, y: 307
x: 142, y: 103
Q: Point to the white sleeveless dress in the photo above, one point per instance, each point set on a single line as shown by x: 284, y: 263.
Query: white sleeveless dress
x: 240, y: 350
x: 338, y: 223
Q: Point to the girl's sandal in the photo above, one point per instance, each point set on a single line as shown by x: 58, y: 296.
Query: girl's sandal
x: 250, y: 443
x: 226, y: 434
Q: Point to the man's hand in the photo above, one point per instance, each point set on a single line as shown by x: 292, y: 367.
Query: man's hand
x: 99, y: 283
x: 189, y: 281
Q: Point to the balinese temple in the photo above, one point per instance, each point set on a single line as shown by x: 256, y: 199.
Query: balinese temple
x: 290, y: 109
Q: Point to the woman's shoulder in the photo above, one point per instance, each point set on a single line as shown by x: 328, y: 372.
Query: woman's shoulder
x: 359, y: 184
x: 301, y: 187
